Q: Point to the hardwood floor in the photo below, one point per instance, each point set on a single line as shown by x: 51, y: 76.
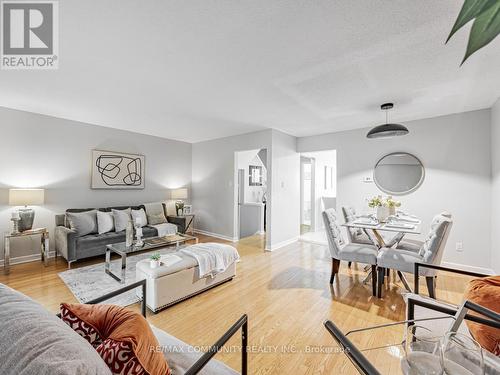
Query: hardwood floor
x: 287, y: 296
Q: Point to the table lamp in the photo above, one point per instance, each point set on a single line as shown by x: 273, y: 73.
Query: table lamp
x: 26, y: 197
x: 179, y: 195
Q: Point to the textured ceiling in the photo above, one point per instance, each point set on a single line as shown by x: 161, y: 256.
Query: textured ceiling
x: 196, y: 70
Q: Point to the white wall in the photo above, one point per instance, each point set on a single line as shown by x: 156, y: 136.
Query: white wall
x: 456, y: 154
x: 214, y: 182
x: 285, y: 187
x: 55, y: 154
x: 495, y: 196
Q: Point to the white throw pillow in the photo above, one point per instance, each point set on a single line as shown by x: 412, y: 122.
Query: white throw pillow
x: 122, y: 217
x: 105, y: 222
x: 139, y: 217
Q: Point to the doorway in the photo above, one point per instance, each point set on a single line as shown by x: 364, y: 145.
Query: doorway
x: 251, y: 176
x: 318, y: 192
x: 306, y: 194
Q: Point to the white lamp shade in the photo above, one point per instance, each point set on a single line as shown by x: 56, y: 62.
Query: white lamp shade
x: 26, y: 197
x: 180, y: 193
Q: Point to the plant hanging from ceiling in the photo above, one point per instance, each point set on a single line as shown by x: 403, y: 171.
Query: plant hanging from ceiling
x: 486, y: 26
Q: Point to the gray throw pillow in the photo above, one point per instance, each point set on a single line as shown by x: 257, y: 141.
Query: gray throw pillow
x: 105, y: 222
x: 155, y: 214
x: 139, y: 217
x: 83, y: 223
x: 122, y: 217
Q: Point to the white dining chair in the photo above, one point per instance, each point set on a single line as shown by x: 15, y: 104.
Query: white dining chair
x: 350, y: 252
x: 431, y: 252
x: 415, y: 245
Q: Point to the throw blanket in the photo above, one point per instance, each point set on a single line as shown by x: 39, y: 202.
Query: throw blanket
x: 165, y: 229
x: 212, y: 258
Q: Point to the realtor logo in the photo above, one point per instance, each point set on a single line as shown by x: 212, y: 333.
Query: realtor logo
x: 30, y: 37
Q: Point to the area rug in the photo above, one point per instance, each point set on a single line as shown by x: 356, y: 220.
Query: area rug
x: 90, y: 282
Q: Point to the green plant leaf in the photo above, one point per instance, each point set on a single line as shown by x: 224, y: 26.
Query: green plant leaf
x: 485, y: 28
x: 470, y: 10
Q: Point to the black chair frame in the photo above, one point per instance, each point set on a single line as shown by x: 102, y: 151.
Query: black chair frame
x: 241, y: 323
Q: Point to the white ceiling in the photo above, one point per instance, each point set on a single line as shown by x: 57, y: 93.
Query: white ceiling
x: 196, y: 70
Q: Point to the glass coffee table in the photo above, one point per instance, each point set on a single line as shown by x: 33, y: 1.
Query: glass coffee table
x: 149, y: 244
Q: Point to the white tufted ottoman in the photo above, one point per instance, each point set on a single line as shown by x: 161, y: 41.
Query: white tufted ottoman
x: 174, y: 282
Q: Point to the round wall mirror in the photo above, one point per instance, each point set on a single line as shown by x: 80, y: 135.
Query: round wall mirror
x: 398, y: 173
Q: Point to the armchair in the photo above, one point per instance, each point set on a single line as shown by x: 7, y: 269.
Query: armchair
x: 350, y: 252
x: 431, y: 252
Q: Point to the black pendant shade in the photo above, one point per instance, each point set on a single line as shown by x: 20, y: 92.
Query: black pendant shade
x: 387, y: 130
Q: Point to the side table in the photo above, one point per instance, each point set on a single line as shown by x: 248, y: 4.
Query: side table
x: 185, y: 221
x: 44, y: 245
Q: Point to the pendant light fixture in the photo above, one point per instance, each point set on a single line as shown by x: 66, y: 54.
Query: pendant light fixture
x: 387, y: 130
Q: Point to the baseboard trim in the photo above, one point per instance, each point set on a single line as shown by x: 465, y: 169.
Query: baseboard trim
x: 281, y: 244
x: 486, y: 271
x: 27, y: 258
x: 216, y: 235
x: 301, y: 239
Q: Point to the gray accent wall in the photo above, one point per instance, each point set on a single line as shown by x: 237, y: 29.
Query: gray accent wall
x: 456, y: 153
x: 55, y: 154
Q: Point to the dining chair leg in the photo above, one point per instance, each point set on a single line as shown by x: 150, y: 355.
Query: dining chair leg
x: 431, y: 286
x: 374, y: 280
x: 380, y: 279
x: 335, y: 269
x: 404, y: 281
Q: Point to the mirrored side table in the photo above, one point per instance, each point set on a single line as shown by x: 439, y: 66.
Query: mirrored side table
x: 44, y: 245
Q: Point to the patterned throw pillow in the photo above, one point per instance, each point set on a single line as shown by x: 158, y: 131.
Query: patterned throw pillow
x: 84, y: 329
x: 122, y: 337
x: 120, y: 357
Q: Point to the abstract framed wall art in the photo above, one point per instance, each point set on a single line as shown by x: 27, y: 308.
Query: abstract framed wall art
x: 117, y: 170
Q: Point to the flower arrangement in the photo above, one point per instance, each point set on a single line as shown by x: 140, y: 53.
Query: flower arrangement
x: 377, y: 201
x: 380, y: 201
x: 392, y: 203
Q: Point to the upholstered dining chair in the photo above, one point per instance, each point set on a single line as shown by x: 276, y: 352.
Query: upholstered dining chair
x: 430, y: 252
x: 350, y: 252
x: 415, y: 245
x: 355, y: 235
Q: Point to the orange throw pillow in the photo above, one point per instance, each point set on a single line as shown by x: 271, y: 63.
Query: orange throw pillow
x: 122, y: 331
x: 485, y: 292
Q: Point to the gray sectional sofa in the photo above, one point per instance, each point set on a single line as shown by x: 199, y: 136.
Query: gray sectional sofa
x: 72, y: 247
x: 36, y: 342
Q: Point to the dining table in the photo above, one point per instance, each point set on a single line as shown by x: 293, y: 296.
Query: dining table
x: 404, y: 224
x: 401, y: 224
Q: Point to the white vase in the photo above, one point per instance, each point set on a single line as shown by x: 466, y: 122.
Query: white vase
x: 382, y: 214
x: 155, y: 263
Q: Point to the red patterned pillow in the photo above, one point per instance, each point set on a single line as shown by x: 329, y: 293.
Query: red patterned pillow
x: 87, y: 331
x: 120, y: 357
x: 123, y: 338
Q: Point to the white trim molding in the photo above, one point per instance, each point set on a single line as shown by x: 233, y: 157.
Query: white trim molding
x: 281, y: 244
x: 216, y: 235
x: 486, y: 271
